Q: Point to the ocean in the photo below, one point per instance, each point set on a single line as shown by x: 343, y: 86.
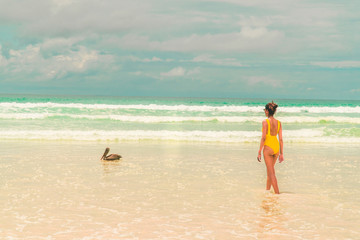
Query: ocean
x: 114, y: 119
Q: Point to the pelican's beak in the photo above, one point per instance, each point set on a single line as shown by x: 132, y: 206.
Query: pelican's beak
x: 106, y: 152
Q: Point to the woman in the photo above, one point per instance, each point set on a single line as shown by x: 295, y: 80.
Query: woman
x: 272, y: 148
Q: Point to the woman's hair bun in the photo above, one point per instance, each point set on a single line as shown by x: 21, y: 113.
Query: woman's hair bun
x: 271, y: 107
x: 274, y: 105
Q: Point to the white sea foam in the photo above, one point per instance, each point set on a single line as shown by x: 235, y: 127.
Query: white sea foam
x: 162, y: 119
x: 25, y: 115
x: 128, y: 135
x: 320, y: 109
x: 181, y: 107
x: 302, y: 135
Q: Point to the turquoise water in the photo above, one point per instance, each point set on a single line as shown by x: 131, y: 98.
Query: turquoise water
x: 90, y: 118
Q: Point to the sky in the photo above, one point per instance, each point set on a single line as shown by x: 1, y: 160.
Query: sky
x: 181, y: 48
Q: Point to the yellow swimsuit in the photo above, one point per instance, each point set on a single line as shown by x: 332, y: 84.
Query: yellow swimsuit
x: 272, y: 141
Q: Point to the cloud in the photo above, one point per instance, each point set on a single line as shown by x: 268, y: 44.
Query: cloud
x: 306, y: 25
x: 337, y: 64
x: 60, y: 4
x: 154, y: 26
x: 178, y: 72
x: 207, y: 58
x: 58, y: 17
x: 247, y: 40
x: 264, y: 80
x: 59, y: 43
x: 355, y: 90
x: 255, y: 21
x: 147, y: 60
x: 175, y: 72
x: 259, y: 3
x: 31, y: 61
x: 3, y: 60
x: 78, y: 17
x: 194, y: 71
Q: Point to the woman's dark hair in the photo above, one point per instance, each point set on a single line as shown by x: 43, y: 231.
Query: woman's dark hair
x: 271, y: 107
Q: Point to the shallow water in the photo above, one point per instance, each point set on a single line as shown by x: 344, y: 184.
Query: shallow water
x: 61, y: 190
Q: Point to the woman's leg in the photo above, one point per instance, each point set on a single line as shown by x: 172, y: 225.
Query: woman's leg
x: 270, y: 160
x: 267, y: 154
x: 268, y: 182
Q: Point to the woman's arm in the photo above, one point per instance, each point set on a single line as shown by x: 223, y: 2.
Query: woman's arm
x: 281, y: 156
x: 262, y: 141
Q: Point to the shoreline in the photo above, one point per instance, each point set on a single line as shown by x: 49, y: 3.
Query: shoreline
x: 292, y: 144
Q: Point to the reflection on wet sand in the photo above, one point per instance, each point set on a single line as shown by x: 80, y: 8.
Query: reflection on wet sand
x: 272, y: 220
x: 111, y: 166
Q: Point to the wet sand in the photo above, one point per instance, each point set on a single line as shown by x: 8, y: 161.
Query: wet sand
x: 61, y: 190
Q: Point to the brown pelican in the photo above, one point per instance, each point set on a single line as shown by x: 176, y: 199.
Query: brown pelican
x: 111, y: 156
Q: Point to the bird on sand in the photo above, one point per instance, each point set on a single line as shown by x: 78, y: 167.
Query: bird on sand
x: 111, y: 156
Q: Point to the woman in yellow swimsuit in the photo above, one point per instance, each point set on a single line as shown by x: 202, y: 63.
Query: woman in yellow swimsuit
x: 273, y: 148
